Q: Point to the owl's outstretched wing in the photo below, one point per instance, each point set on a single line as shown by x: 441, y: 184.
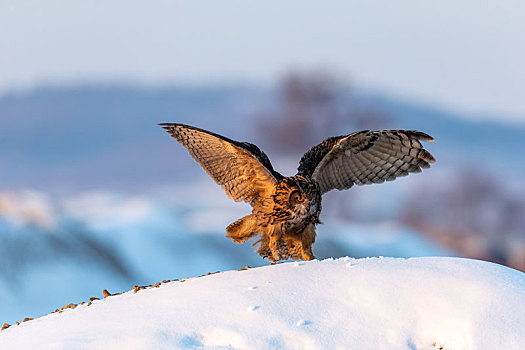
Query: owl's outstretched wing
x: 240, y: 168
x: 365, y: 157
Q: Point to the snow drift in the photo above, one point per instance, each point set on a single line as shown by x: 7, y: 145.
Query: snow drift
x: 374, y: 303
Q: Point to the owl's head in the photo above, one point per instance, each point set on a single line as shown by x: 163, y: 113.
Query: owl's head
x: 299, y: 195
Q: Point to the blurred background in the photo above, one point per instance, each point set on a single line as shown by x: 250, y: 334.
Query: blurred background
x: 94, y: 195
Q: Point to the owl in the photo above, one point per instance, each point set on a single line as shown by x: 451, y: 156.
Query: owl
x: 286, y: 209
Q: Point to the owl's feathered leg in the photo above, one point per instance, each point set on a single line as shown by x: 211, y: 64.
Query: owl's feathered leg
x: 243, y: 229
x: 271, y: 245
x: 264, y: 248
x: 307, y: 239
x: 294, y: 245
x: 300, y: 244
x: 276, y: 245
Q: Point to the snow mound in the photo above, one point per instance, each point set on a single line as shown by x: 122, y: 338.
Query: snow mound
x: 373, y: 303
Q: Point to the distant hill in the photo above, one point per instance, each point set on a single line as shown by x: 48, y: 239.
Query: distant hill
x: 97, y: 136
x: 83, y: 137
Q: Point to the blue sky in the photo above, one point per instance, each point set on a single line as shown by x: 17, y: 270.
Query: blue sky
x: 467, y: 55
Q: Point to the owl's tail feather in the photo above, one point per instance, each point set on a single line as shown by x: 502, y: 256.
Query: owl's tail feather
x: 243, y: 229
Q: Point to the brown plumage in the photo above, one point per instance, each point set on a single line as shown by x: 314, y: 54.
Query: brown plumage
x: 286, y: 209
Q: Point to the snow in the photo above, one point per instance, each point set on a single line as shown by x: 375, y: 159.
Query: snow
x: 372, y: 303
x: 27, y: 207
x: 105, y: 210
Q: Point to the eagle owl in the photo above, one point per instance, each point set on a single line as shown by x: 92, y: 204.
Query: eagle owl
x: 286, y: 209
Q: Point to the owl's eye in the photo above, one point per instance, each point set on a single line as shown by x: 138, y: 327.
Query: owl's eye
x: 296, y: 197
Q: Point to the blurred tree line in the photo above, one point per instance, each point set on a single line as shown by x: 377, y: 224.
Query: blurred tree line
x: 474, y: 215
x: 313, y: 106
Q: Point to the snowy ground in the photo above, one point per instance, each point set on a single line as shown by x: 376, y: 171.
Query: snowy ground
x: 374, y: 303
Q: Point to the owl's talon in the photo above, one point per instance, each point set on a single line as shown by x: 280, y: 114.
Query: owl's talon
x: 308, y: 257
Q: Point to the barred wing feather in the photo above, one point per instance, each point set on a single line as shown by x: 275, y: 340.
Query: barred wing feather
x: 366, y: 157
x: 240, y: 168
